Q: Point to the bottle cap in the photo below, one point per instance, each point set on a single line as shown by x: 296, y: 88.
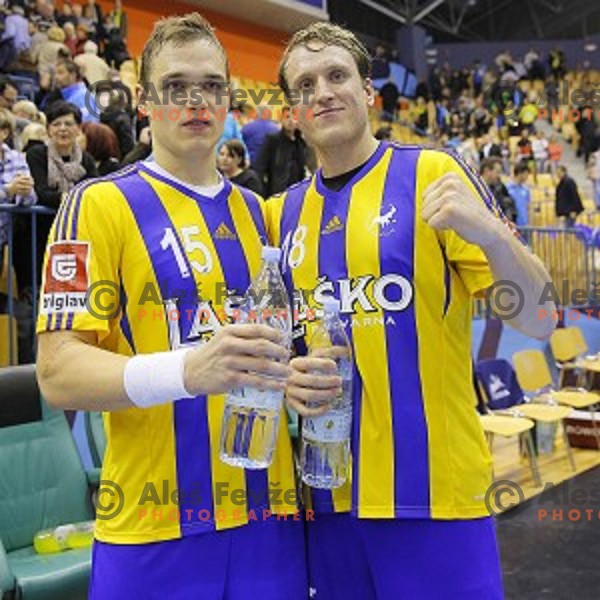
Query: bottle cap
x: 271, y: 254
x: 331, y: 305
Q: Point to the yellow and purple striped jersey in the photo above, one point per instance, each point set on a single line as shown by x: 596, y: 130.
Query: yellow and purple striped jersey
x: 418, y: 449
x: 150, y: 265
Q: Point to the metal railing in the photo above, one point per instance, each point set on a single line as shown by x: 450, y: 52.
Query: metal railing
x: 572, y: 257
x: 33, y: 212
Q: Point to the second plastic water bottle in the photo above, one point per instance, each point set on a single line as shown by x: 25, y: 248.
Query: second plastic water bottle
x: 251, y: 418
x: 325, y: 453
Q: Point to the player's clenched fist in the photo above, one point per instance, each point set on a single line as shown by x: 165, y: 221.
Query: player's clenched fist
x: 241, y: 355
x: 449, y: 203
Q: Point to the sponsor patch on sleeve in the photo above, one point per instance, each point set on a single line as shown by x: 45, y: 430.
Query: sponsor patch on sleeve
x: 66, y: 278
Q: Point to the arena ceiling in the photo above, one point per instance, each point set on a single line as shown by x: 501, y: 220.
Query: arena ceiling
x: 484, y: 20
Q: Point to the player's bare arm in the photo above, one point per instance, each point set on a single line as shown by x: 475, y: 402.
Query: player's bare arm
x: 74, y: 373
x: 449, y: 204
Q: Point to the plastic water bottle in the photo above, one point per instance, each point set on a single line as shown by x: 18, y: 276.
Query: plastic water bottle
x: 325, y: 451
x: 251, y: 419
x: 64, y: 537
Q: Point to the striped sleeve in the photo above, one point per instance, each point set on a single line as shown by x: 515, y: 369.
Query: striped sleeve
x: 467, y: 259
x: 80, y: 283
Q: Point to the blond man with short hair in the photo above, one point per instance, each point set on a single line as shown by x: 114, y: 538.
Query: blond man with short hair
x: 133, y: 323
x: 404, y: 237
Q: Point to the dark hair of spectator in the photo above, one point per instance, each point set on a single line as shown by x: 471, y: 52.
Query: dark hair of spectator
x: 102, y: 142
x: 237, y: 151
x: 383, y: 133
x: 60, y: 109
x: 521, y: 168
x: 71, y: 66
x: 489, y: 164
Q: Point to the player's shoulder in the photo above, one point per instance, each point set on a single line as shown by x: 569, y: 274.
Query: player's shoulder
x: 104, y: 189
x: 295, y: 192
x: 248, y: 194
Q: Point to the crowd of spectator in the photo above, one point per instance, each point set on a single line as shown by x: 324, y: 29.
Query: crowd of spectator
x: 476, y: 112
x: 66, y: 115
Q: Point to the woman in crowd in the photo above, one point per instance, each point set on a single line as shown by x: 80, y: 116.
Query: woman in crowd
x: 59, y: 166
x: 32, y: 135
x: 25, y: 113
x: 101, y: 142
x: 232, y: 163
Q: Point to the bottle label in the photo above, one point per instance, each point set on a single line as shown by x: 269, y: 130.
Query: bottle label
x: 331, y: 427
x: 253, y: 398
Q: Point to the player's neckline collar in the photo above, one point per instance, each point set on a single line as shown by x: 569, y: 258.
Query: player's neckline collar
x: 188, y: 191
x: 373, y: 159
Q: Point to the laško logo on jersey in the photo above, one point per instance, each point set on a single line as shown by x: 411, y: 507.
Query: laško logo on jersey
x: 363, y: 300
x: 66, y: 278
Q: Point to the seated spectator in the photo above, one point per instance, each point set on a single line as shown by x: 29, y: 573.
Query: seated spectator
x: 524, y: 148
x: 16, y: 183
x: 81, y: 31
x: 490, y: 172
x: 456, y: 127
x: 380, y: 68
x: 389, y: 99
x: 420, y: 117
x: 66, y: 16
x: 521, y: 194
x: 70, y: 37
x: 101, y: 142
x: 554, y: 154
x: 467, y: 150
x: 232, y: 163
x: 488, y: 148
x: 384, y: 133
x: 93, y: 68
x: 57, y: 167
x: 539, y: 147
x: 32, y: 135
x: 25, y: 112
x: 141, y: 150
x: 504, y: 144
x: 48, y: 52
x: 15, y: 38
x: 115, y: 102
x: 255, y: 132
x: 68, y: 80
x: 480, y: 119
x: 8, y: 93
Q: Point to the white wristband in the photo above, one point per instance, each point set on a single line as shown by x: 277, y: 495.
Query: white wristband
x: 152, y: 379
